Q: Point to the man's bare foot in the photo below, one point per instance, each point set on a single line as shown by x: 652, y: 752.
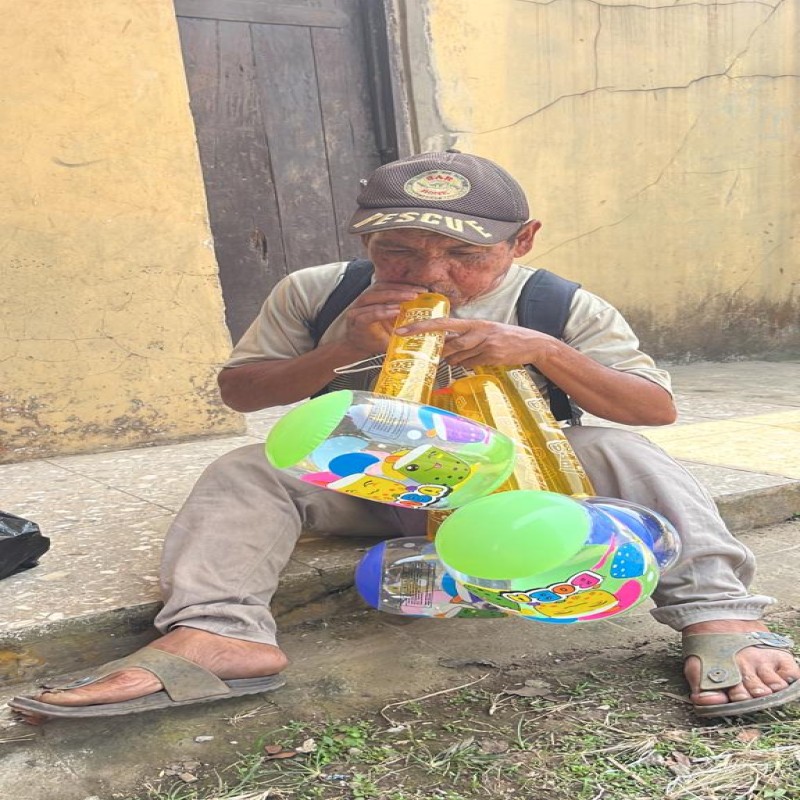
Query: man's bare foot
x: 227, y: 658
x: 764, y: 670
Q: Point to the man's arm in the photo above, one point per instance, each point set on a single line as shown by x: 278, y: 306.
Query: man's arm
x: 275, y: 382
x: 263, y: 384
x: 602, y: 391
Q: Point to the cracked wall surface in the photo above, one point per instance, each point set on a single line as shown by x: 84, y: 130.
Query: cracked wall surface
x: 658, y: 143
x: 112, y: 327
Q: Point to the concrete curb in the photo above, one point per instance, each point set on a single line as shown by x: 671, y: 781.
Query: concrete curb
x: 756, y: 508
x: 317, y: 584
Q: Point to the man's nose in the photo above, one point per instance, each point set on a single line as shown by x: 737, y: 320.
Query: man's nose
x: 430, y: 269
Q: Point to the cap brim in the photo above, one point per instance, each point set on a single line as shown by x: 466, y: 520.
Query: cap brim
x: 474, y: 230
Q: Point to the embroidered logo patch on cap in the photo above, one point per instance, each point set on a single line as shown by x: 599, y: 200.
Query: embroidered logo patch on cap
x: 437, y: 184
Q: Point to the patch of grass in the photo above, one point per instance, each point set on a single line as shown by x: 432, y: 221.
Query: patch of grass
x: 618, y: 734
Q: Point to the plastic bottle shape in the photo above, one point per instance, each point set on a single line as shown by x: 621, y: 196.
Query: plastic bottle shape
x: 561, y: 468
x: 564, y: 561
x: 484, y: 399
x: 409, y: 368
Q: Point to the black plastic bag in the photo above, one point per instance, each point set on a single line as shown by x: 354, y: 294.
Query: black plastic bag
x: 21, y: 544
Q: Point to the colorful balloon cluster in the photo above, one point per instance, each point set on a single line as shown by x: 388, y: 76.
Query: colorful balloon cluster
x: 538, y: 555
x: 514, y: 527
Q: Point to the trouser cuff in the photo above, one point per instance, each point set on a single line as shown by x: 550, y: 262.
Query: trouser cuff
x: 221, y: 629
x: 679, y: 616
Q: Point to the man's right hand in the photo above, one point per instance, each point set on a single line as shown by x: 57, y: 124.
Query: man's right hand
x: 370, y: 319
x: 372, y: 315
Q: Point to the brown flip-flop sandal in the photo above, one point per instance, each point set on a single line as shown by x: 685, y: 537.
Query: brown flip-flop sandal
x: 719, y: 670
x: 184, y: 683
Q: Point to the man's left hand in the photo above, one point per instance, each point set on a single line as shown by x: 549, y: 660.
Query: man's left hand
x: 476, y: 342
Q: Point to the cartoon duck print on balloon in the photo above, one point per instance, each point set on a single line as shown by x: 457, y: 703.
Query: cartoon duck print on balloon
x: 621, y: 576
x: 412, y: 478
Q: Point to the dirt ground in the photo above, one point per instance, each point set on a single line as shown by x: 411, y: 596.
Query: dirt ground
x: 594, y: 728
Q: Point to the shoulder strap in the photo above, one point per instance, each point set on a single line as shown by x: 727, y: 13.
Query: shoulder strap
x: 544, y: 302
x: 357, y: 276
x: 543, y: 305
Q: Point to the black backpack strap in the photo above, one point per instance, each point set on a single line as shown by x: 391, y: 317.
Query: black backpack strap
x: 544, y: 305
x: 356, y: 278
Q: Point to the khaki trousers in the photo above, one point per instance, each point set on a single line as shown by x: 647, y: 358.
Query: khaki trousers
x: 227, y: 546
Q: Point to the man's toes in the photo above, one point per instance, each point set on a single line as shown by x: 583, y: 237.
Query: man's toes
x: 116, y: 688
x: 751, y: 686
x: 708, y: 698
x: 771, y: 678
x: 691, y: 671
x: 789, y: 671
x: 71, y: 697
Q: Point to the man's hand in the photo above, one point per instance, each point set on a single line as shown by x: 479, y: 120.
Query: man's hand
x: 608, y: 393
x: 477, y: 343
x: 263, y: 384
x: 372, y: 316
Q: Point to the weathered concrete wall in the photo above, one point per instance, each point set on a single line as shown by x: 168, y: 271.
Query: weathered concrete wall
x: 658, y: 144
x: 112, y: 327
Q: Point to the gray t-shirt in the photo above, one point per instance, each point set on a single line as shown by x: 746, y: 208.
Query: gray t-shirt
x: 281, y: 330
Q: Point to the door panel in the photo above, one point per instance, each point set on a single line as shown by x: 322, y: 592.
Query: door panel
x: 282, y: 108
x: 294, y: 129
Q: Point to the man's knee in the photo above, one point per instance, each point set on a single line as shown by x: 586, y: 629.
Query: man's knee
x: 243, y: 464
x: 249, y: 455
x: 617, y: 460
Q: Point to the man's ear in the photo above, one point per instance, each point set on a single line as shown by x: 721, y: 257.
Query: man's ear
x: 524, y: 240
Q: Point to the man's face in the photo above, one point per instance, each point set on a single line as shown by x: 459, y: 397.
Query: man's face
x: 460, y: 271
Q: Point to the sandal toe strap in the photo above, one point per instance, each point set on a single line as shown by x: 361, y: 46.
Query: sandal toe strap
x: 183, y: 680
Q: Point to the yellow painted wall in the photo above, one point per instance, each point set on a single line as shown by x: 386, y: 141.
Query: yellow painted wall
x: 659, y: 144
x: 111, y: 326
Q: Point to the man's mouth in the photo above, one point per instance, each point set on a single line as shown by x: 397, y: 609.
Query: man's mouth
x: 448, y: 291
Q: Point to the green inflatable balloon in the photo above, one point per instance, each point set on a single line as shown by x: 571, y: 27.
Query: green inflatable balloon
x: 306, y: 427
x: 511, y: 536
x: 390, y: 450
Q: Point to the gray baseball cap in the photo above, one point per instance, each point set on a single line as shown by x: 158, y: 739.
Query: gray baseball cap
x: 459, y: 195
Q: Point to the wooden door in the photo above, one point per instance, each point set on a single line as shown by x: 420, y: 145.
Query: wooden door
x: 283, y: 98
